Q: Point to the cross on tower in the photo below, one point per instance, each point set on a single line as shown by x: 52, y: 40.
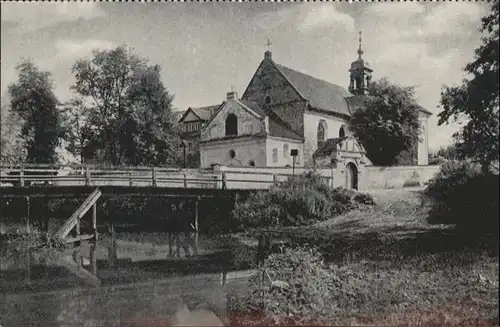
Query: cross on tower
x: 268, y: 44
x: 360, y: 51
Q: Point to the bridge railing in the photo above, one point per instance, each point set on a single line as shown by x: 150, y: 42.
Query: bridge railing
x: 78, y: 175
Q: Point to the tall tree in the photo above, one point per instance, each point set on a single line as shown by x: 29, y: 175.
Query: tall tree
x: 477, y: 99
x: 76, y: 118
x: 12, y: 145
x: 33, y: 100
x: 130, y: 116
x: 388, y: 124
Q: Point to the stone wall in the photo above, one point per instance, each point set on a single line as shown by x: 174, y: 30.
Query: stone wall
x: 396, y: 177
x: 284, y: 100
x: 246, y: 149
x: 284, y: 159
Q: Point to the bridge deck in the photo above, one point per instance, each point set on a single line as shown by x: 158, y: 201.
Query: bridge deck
x: 73, y: 191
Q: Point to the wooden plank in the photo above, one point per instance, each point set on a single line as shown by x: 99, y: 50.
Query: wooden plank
x: 78, y: 239
x: 84, y: 207
x: 94, y: 220
x: 80, y: 272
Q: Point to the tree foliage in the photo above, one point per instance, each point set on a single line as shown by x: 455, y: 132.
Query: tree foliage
x: 388, y: 124
x: 476, y: 98
x: 33, y: 100
x: 12, y: 145
x: 128, y: 110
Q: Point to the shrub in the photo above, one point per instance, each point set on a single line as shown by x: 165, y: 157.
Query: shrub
x: 463, y: 195
x: 296, y: 290
x: 302, y: 200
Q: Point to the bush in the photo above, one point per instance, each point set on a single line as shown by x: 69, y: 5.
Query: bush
x: 302, y: 200
x: 296, y: 290
x: 463, y: 195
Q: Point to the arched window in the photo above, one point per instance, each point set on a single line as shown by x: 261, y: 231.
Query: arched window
x: 275, y: 155
x: 231, y: 125
x: 342, y: 131
x: 321, y: 135
x: 285, y: 151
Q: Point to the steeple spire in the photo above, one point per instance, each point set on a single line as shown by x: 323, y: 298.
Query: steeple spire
x: 360, y: 50
x: 360, y: 76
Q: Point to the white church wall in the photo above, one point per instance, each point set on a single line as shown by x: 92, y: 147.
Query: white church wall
x: 311, y: 122
x: 247, y: 122
x: 375, y: 177
x: 246, y: 149
x: 423, y: 144
x: 278, y: 152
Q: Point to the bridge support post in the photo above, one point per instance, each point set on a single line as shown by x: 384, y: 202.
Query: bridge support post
x: 224, y: 180
x: 87, y: 176
x: 77, y: 228
x: 28, y: 213
x: 154, y: 177
x: 93, y: 257
x: 94, y: 221
x: 196, y: 216
x: 21, y: 176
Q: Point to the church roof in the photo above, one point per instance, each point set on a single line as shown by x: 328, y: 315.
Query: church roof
x: 205, y: 113
x: 320, y: 94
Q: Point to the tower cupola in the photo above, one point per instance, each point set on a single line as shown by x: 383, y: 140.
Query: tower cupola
x: 360, y: 72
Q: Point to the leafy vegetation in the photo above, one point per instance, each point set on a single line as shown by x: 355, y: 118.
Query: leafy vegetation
x: 477, y: 98
x: 464, y: 195
x: 124, y: 111
x: 388, y: 124
x: 300, y: 288
x: 302, y: 200
x: 12, y: 145
x: 33, y: 100
x: 382, y: 265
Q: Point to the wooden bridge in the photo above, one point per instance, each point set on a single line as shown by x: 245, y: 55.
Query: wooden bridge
x: 94, y: 176
x: 42, y: 181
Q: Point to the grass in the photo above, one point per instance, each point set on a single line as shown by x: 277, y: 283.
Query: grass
x: 387, y: 265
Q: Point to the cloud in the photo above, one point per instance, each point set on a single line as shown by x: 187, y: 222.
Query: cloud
x: 76, y: 49
x: 325, y: 15
x: 31, y: 16
x: 451, y: 18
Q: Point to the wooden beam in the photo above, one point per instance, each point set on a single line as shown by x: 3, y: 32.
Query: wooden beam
x: 94, y: 220
x: 28, y: 213
x: 78, y: 238
x: 72, y: 221
x: 196, y: 214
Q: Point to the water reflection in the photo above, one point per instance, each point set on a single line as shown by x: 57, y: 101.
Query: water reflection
x: 113, y: 282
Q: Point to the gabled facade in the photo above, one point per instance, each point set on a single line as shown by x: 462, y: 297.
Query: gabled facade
x: 190, y: 124
x: 241, y: 133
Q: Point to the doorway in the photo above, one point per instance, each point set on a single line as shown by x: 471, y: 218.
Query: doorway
x: 351, y: 176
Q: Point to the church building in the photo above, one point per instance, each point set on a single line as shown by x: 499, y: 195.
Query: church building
x: 283, y: 109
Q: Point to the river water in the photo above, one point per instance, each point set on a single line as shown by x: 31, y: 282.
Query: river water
x: 123, y: 281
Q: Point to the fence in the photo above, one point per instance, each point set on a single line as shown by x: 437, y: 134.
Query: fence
x: 29, y: 175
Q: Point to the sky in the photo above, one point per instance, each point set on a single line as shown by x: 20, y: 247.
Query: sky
x: 204, y: 49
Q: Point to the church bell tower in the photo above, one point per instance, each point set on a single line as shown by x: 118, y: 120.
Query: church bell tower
x: 360, y: 73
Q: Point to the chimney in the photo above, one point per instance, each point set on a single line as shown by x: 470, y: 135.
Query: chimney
x: 232, y: 95
x: 268, y: 55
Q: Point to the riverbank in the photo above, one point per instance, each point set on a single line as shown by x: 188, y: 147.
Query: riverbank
x: 385, y: 265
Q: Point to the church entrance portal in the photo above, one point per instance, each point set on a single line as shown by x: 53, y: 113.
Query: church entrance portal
x: 351, y: 176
